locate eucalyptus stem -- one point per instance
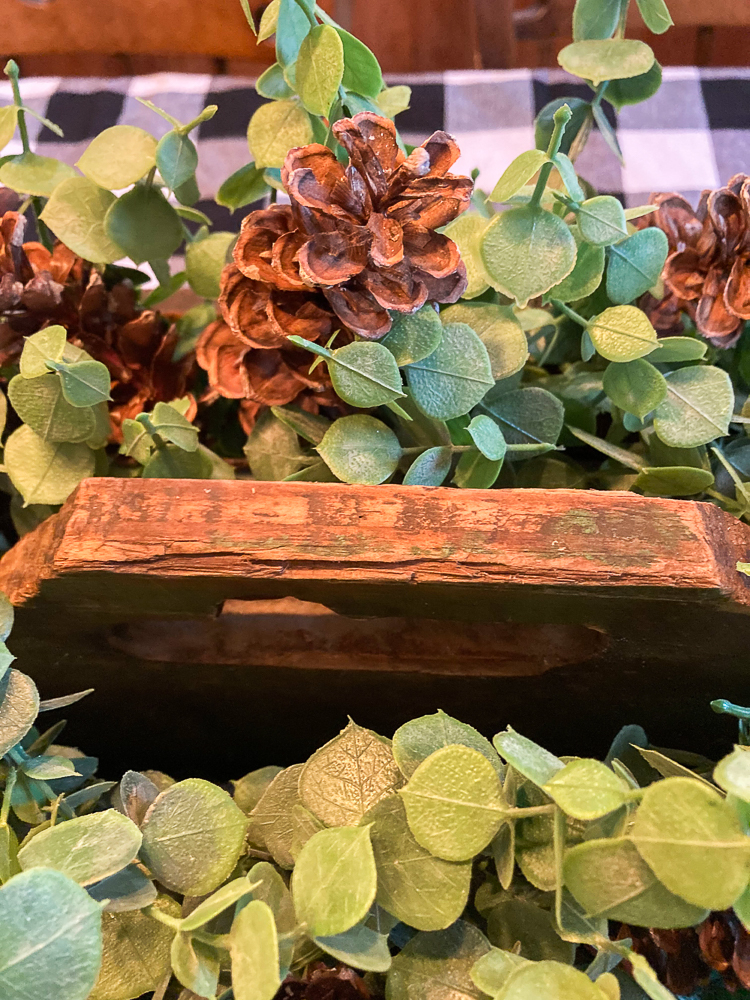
(19, 757)
(622, 23)
(561, 118)
(10, 784)
(523, 812)
(145, 420)
(12, 72)
(309, 14)
(570, 313)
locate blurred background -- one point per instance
(129, 37)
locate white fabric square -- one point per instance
(491, 151)
(668, 160)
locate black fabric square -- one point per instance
(223, 219)
(727, 103)
(82, 116)
(427, 111)
(236, 108)
(546, 92)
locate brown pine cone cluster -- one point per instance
(322, 982)
(707, 273)
(354, 243)
(683, 959)
(40, 288)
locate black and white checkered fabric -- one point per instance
(693, 134)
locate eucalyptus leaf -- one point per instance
(254, 949)
(8, 122)
(608, 59)
(732, 773)
(45, 919)
(635, 386)
(530, 415)
(86, 849)
(601, 220)
(586, 789)
(365, 374)
(595, 18)
(476, 472)
(520, 172)
(413, 336)
(585, 276)
(526, 251)
(516, 922)
(551, 980)
(291, 25)
(361, 68)
(243, 187)
(45, 472)
(192, 836)
(454, 803)
(361, 946)
(697, 408)
(274, 129)
(335, 880)
(349, 775)
(527, 757)
(655, 15)
(488, 437)
(499, 330)
(635, 89)
(76, 213)
(196, 964)
(451, 380)
(466, 232)
(42, 406)
(431, 468)
(176, 158)
(31, 174)
(84, 383)
(360, 449)
(692, 840)
(320, 69)
(272, 816)
(673, 481)
(273, 451)
(622, 333)
(46, 345)
(674, 349)
(144, 224)
(437, 965)
(205, 260)
(310, 426)
(118, 157)
(635, 264)
(170, 424)
(19, 704)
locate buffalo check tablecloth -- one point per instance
(693, 134)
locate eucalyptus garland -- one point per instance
(437, 864)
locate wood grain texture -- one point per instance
(180, 602)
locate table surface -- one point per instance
(693, 134)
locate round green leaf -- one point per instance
(75, 213)
(698, 407)
(42, 472)
(84, 383)
(520, 172)
(176, 158)
(607, 59)
(430, 468)
(732, 773)
(320, 69)
(421, 890)
(243, 187)
(118, 156)
(39, 348)
(527, 757)
(204, 262)
(28, 173)
(609, 878)
(334, 880)
(272, 817)
(254, 949)
(635, 89)
(498, 329)
(437, 966)
(635, 264)
(361, 68)
(19, 705)
(595, 18)
(135, 953)
(144, 224)
(361, 947)
(86, 849)
(41, 404)
(192, 837)
(529, 415)
(526, 251)
(475, 472)
(692, 840)
(655, 15)
(339, 794)
(579, 124)
(586, 789)
(671, 349)
(585, 276)
(360, 449)
(276, 128)
(635, 386)
(50, 938)
(466, 232)
(272, 449)
(416, 740)
(673, 481)
(551, 980)
(365, 374)
(488, 437)
(173, 462)
(413, 336)
(454, 803)
(8, 121)
(622, 333)
(518, 920)
(601, 220)
(454, 377)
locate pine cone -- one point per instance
(707, 273)
(321, 982)
(354, 243)
(40, 288)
